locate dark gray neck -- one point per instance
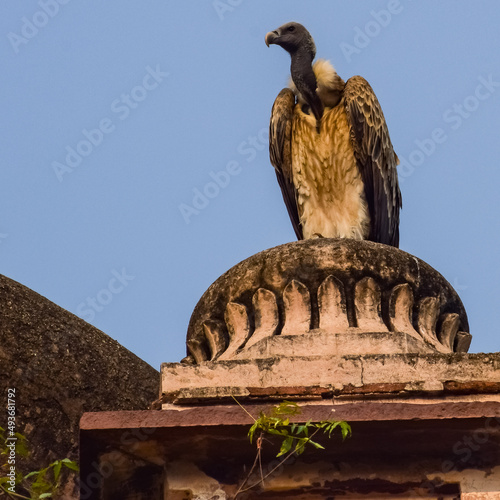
(305, 80)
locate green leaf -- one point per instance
(285, 446)
(278, 432)
(70, 464)
(57, 469)
(300, 446)
(41, 484)
(301, 429)
(304, 429)
(22, 448)
(276, 422)
(316, 445)
(346, 429)
(286, 408)
(45, 495)
(252, 430)
(34, 473)
(330, 426)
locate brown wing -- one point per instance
(376, 160)
(280, 153)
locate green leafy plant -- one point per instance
(295, 436)
(36, 485)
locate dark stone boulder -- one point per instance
(60, 367)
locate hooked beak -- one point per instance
(271, 37)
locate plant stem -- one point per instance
(257, 457)
(241, 490)
(243, 408)
(13, 494)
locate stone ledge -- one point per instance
(316, 377)
(231, 415)
(318, 342)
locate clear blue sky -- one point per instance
(115, 115)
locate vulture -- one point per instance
(330, 147)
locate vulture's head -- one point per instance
(292, 37)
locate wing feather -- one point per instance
(375, 158)
(280, 153)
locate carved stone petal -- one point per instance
(428, 313)
(401, 310)
(462, 341)
(238, 328)
(367, 301)
(266, 315)
(449, 329)
(197, 350)
(297, 309)
(332, 306)
(215, 336)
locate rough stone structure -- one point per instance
(361, 296)
(322, 314)
(424, 447)
(60, 367)
(351, 330)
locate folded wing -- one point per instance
(280, 152)
(375, 158)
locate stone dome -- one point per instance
(327, 297)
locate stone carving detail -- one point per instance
(332, 305)
(333, 318)
(266, 316)
(368, 305)
(412, 304)
(297, 309)
(401, 309)
(238, 328)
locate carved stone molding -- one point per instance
(327, 296)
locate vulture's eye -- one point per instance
(291, 28)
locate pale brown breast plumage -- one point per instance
(330, 191)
